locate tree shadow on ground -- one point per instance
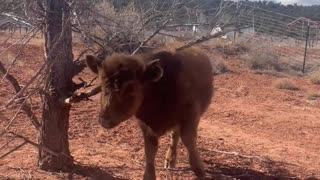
(90, 172)
(226, 173)
(274, 172)
(227, 166)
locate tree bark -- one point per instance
(55, 115)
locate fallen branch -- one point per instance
(233, 153)
(240, 155)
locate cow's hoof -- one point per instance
(206, 177)
(169, 164)
(200, 173)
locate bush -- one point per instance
(232, 49)
(263, 59)
(315, 77)
(313, 96)
(218, 66)
(285, 84)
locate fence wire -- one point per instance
(294, 38)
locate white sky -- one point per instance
(299, 2)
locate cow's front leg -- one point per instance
(171, 155)
(150, 147)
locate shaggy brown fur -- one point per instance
(166, 90)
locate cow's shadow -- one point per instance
(223, 172)
(214, 171)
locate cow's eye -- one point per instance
(116, 85)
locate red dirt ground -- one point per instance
(251, 131)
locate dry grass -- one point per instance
(232, 49)
(262, 59)
(313, 96)
(219, 67)
(315, 77)
(285, 84)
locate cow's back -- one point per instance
(196, 78)
(187, 81)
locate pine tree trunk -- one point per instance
(55, 116)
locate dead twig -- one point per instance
(87, 84)
(233, 153)
(150, 37)
(26, 85)
(20, 51)
(6, 143)
(10, 78)
(27, 140)
(240, 155)
(14, 149)
(202, 39)
(170, 35)
(25, 107)
(47, 56)
(83, 96)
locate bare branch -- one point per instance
(150, 37)
(20, 51)
(19, 94)
(10, 78)
(14, 149)
(83, 96)
(203, 39)
(16, 18)
(48, 56)
(25, 107)
(169, 35)
(27, 140)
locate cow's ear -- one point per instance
(93, 63)
(153, 71)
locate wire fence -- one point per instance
(292, 38)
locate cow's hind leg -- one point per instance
(151, 147)
(171, 155)
(189, 138)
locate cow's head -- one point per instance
(122, 78)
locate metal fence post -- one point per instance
(306, 48)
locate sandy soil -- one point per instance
(251, 131)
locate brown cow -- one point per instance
(165, 90)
